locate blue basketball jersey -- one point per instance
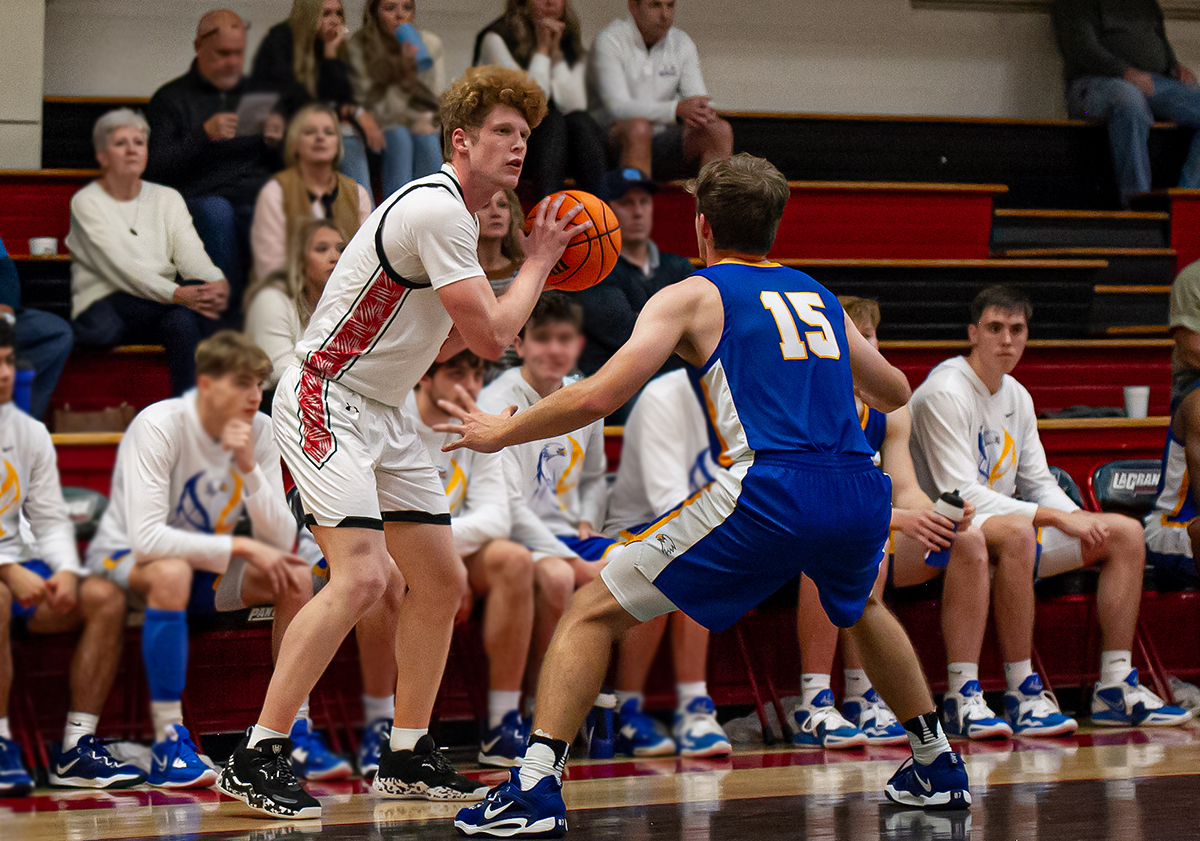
(874, 426)
(779, 380)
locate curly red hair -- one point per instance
(469, 100)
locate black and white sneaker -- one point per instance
(422, 774)
(262, 778)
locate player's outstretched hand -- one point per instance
(478, 430)
(548, 238)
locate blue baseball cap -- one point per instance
(620, 181)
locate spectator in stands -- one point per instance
(650, 97)
(310, 188)
(43, 585)
(1185, 330)
(559, 494)
(201, 150)
(1173, 527)
(304, 59)
(139, 271)
(611, 308)
(501, 240)
(1119, 67)
(401, 99)
(43, 339)
(974, 429)
(666, 458)
(917, 530)
(188, 470)
(542, 37)
(278, 307)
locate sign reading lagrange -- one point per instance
(1138, 481)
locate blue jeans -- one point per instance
(1129, 114)
(409, 156)
(354, 161)
(225, 231)
(44, 340)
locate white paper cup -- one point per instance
(43, 246)
(1137, 401)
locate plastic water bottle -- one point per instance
(23, 387)
(949, 505)
(406, 33)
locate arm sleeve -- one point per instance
(593, 488)
(435, 77)
(1077, 23)
(691, 81)
(47, 512)
(333, 82)
(364, 205)
(942, 428)
(569, 86)
(613, 87)
(187, 249)
(177, 146)
(268, 324)
(663, 450)
(487, 516)
(149, 455)
(527, 528)
(446, 241)
(95, 241)
(1035, 482)
(270, 516)
(268, 231)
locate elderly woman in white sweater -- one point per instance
(139, 272)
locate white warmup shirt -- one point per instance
(476, 492)
(666, 456)
(563, 84)
(561, 480)
(630, 81)
(372, 334)
(30, 492)
(177, 494)
(982, 444)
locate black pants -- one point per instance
(566, 145)
(122, 318)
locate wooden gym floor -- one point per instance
(1123, 785)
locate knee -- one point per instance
(168, 584)
(213, 210)
(1013, 540)
(969, 552)
(637, 130)
(1127, 540)
(6, 599)
(369, 583)
(510, 566)
(101, 600)
(555, 582)
(721, 133)
(1129, 105)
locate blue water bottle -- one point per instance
(23, 387)
(406, 33)
(949, 505)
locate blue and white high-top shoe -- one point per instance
(312, 759)
(1129, 704)
(14, 779)
(1032, 711)
(697, 732)
(820, 725)
(175, 762)
(508, 812)
(871, 715)
(503, 745)
(90, 765)
(639, 735)
(942, 784)
(965, 713)
(374, 736)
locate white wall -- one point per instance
(847, 56)
(21, 28)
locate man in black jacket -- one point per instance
(197, 148)
(1119, 67)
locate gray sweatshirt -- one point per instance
(1106, 37)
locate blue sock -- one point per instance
(165, 651)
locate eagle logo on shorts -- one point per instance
(666, 545)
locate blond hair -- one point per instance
(861, 310)
(469, 100)
(742, 198)
(229, 352)
(305, 23)
(291, 151)
(293, 279)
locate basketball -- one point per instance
(591, 254)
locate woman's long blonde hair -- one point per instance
(513, 244)
(386, 65)
(305, 21)
(293, 279)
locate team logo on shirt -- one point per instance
(454, 480)
(10, 491)
(558, 469)
(211, 503)
(997, 455)
(666, 545)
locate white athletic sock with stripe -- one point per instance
(1015, 673)
(375, 708)
(1115, 666)
(5, 733)
(959, 674)
(811, 685)
(500, 704)
(857, 683)
(688, 692)
(78, 725)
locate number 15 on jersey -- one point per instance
(822, 342)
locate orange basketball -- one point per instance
(591, 254)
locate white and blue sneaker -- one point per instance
(175, 762)
(90, 765)
(14, 779)
(509, 812)
(965, 713)
(942, 784)
(1129, 704)
(640, 735)
(871, 715)
(820, 725)
(1032, 711)
(697, 732)
(504, 745)
(374, 736)
(312, 759)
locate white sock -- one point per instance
(1115, 666)
(530, 706)
(1015, 673)
(960, 673)
(5, 733)
(688, 692)
(406, 739)
(302, 713)
(622, 697)
(376, 708)
(259, 733)
(165, 713)
(857, 683)
(500, 704)
(926, 738)
(78, 726)
(542, 760)
(810, 685)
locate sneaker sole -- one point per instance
(397, 790)
(723, 749)
(1065, 729)
(87, 782)
(17, 790)
(206, 780)
(985, 734)
(252, 802)
(222, 786)
(340, 773)
(839, 744)
(545, 828)
(943, 800)
(496, 761)
(882, 741)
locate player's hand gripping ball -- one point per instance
(591, 254)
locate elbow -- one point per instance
(596, 405)
(490, 348)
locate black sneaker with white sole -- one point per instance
(262, 778)
(422, 773)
